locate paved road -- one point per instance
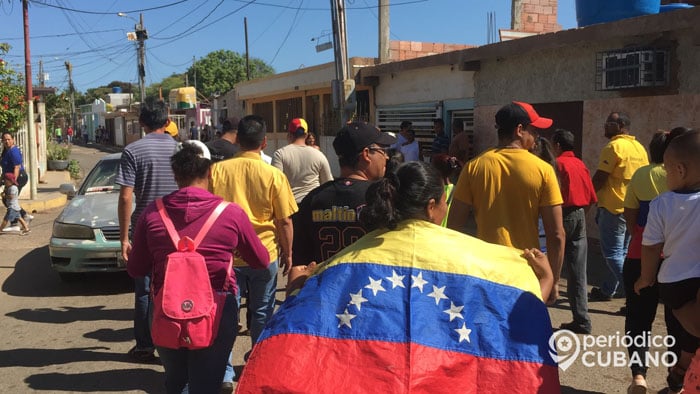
(73, 337)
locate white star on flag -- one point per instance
(375, 285)
(438, 294)
(396, 280)
(464, 333)
(357, 299)
(418, 281)
(345, 319)
(454, 311)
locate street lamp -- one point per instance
(141, 35)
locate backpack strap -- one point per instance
(174, 236)
(210, 221)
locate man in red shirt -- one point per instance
(578, 195)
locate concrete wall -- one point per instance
(423, 85)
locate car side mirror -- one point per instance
(68, 189)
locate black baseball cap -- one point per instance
(356, 136)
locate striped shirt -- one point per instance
(145, 166)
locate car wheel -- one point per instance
(69, 276)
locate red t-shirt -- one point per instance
(576, 185)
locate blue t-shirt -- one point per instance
(145, 166)
(11, 158)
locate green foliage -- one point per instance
(56, 151)
(166, 85)
(74, 169)
(13, 105)
(220, 70)
(101, 92)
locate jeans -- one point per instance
(142, 305)
(259, 287)
(576, 261)
(614, 240)
(201, 370)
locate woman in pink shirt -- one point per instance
(188, 208)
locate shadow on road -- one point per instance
(145, 380)
(111, 335)
(33, 277)
(571, 390)
(68, 314)
(35, 358)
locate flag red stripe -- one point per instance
(282, 364)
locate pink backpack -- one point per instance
(186, 311)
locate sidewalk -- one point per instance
(48, 197)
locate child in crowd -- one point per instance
(673, 227)
(11, 199)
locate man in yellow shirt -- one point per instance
(619, 159)
(265, 195)
(508, 188)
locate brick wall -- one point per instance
(402, 50)
(534, 16)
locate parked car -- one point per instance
(85, 235)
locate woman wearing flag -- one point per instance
(412, 307)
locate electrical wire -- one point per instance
(60, 35)
(291, 27)
(271, 24)
(328, 9)
(184, 15)
(371, 10)
(193, 26)
(41, 3)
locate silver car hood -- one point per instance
(95, 210)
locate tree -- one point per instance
(166, 85)
(101, 92)
(13, 105)
(220, 70)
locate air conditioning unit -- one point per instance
(633, 69)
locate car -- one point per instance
(85, 236)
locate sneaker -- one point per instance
(28, 218)
(11, 229)
(25, 232)
(597, 295)
(226, 387)
(575, 328)
(142, 355)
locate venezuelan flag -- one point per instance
(417, 309)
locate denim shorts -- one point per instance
(12, 215)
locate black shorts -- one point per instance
(676, 294)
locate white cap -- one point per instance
(205, 151)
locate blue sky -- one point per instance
(280, 32)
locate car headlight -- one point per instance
(72, 231)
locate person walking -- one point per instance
(144, 174)
(189, 208)
(305, 167)
(579, 195)
(226, 146)
(509, 188)
(263, 192)
(619, 159)
(11, 162)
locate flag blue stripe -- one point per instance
(359, 301)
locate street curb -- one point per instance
(42, 205)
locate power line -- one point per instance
(104, 13)
(60, 35)
(271, 24)
(328, 9)
(291, 27)
(174, 23)
(193, 26)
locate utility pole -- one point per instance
(71, 89)
(383, 31)
(247, 55)
(141, 36)
(195, 76)
(343, 88)
(31, 163)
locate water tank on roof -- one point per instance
(117, 89)
(183, 98)
(589, 12)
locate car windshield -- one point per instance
(101, 178)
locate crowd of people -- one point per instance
(391, 215)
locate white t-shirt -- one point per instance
(306, 168)
(400, 140)
(11, 198)
(411, 151)
(674, 220)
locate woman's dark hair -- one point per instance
(401, 195)
(564, 138)
(153, 114)
(188, 164)
(395, 159)
(543, 149)
(660, 140)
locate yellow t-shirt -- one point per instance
(620, 158)
(506, 188)
(260, 189)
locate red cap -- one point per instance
(296, 124)
(535, 119)
(9, 176)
